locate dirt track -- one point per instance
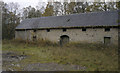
(11, 63)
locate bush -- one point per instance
(31, 43)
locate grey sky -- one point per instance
(25, 3)
(34, 3)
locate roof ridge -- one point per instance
(102, 18)
(75, 14)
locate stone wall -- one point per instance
(91, 35)
(24, 35)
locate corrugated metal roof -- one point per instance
(105, 18)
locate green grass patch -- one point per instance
(93, 56)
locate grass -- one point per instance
(93, 56)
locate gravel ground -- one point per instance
(9, 58)
(52, 67)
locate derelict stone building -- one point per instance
(94, 27)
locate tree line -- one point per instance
(12, 15)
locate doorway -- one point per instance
(64, 39)
(107, 40)
(34, 38)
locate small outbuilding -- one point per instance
(94, 27)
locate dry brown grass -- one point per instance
(91, 55)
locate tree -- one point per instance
(58, 8)
(41, 7)
(118, 5)
(65, 5)
(10, 19)
(71, 7)
(31, 12)
(49, 10)
(81, 7)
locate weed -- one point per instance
(91, 55)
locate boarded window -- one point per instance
(64, 30)
(107, 29)
(83, 29)
(48, 30)
(107, 40)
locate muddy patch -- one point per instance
(11, 62)
(53, 67)
(10, 58)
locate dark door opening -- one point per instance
(34, 38)
(107, 40)
(64, 40)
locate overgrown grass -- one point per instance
(92, 56)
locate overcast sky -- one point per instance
(34, 3)
(25, 3)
